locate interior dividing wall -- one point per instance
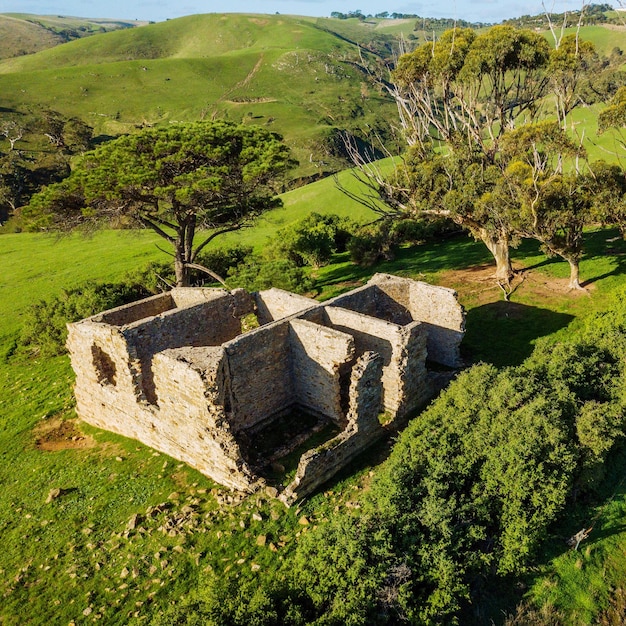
(317, 355)
(260, 375)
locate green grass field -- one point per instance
(279, 71)
(72, 558)
(301, 77)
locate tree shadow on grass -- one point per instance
(607, 252)
(459, 252)
(503, 333)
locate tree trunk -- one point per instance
(574, 277)
(183, 250)
(499, 248)
(180, 267)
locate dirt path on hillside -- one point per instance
(245, 82)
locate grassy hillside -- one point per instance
(23, 33)
(302, 77)
(283, 72)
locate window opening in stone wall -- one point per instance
(104, 366)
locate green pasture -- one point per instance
(293, 75)
(281, 72)
(72, 557)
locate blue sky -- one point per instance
(159, 10)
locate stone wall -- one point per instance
(437, 307)
(275, 304)
(375, 302)
(363, 428)
(399, 348)
(259, 368)
(127, 314)
(439, 310)
(317, 356)
(175, 372)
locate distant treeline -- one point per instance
(423, 22)
(592, 14)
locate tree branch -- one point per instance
(159, 231)
(212, 236)
(195, 266)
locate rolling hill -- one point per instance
(23, 33)
(287, 73)
(310, 79)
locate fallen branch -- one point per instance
(206, 270)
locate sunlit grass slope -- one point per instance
(279, 71)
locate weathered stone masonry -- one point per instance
(176, 372)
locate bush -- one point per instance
(379, 241)
(371, 244)
(471, 487)
(159, 276)
(221, 261)
(257, 274)
(313, 240)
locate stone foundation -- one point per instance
(176, 372)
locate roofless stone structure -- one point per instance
(177, 372)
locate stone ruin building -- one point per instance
(309, 388)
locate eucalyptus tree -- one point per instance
(458, 97)
(609, 200)
(186, 182)
(543, 199)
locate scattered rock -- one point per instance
(133, 521)
(124, 573)
(261, 540)
(272, 492)
(257, 517)
(53, 494)
(255, 567)
(303, 521)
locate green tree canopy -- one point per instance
(459, 97)
(177, 180)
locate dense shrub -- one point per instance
(371, 244)
(314, 239)
(379, 241)
(470, 488)
(222, 260)
(230, 600)
(159, 276)
(258, 273)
